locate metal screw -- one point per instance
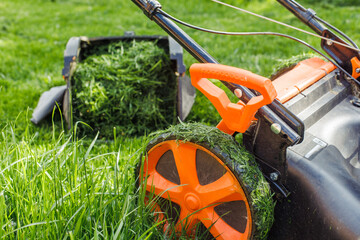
(357, 70)
(329, 42)
(276, 128)
(238, 93)
(274, 176)
(355, 102)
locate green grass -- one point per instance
(70, 189)
(56, 186)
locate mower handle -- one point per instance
(292, 128)
(236, 117)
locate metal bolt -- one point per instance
(276, 128)
(238, 93)
(329, 42)
(355, 102)
(357, 70)
(274, 176)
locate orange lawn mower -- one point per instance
(300, 145)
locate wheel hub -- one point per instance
(192, 202)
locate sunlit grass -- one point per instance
(69, 188)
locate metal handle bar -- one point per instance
(340, 54)
(292, 128)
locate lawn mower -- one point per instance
(302, 127)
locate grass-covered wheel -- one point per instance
(203, 177)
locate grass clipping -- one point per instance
(129, 86)
(285, 65)
(238, 159)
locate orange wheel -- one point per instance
(199, 185)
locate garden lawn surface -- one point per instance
(54, 185)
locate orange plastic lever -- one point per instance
(236, 117)
(355, 62)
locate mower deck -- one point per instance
(324, 170)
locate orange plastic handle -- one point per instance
(236, 117)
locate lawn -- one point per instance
(55, 185)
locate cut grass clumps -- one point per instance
(285, 65)
(129, 86)
(238, 159)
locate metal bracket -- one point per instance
(310, 14)
(151, 7)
